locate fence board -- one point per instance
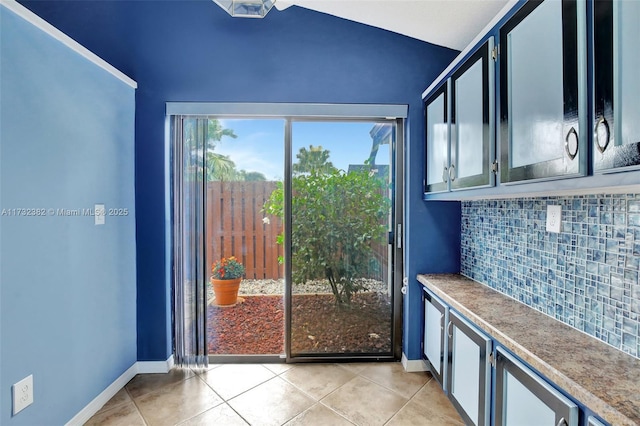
(258, 231)
(234, 227)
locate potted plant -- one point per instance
(226, 275)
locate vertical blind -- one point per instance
(189, 286)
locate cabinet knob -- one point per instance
(571, 143)
(602, 142)
(452, 172)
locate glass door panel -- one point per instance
(341, 197)
(627, 14)
(536, 90)
(542, 90)
(244, 161)
(469, 121)
(437, 132)
(616, 86)
(522, 397)
(472, 147)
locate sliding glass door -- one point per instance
(341, 216)
(304, 213)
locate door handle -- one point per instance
(602, 122)
(571, 143)
(452, 172)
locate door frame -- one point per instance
(396, 263)
(308, 112)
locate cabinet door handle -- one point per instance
(602, 122)
(562, 422)
(445, 174)
(449, 329)
(441, 322)
(452, 172)
(571, 143)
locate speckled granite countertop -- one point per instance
(599, 376)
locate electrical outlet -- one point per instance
(22, 394)
(554, 218)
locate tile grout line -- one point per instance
(408, 401)
(224, 400)
(319, 401)
(134, 403)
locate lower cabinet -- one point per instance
(469, 370)
(436, 315)
(523, 398)
(462, 357)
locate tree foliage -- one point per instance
(336, 216)
(314, 159)
(202, 136)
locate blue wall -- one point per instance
(68, 294)
(194, 51)
(433, 246)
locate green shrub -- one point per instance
(337, 216)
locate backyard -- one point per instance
(339, 254)
(255, 325)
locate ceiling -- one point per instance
(449, 23)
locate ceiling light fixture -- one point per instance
(246, 8)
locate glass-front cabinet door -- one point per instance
(616, 85)
(434, 343)
(469, 370)
(523, 398)
(437, 137)
(542, 91)
(472, 147)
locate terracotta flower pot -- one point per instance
(226, 291)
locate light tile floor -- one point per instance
(281, 394)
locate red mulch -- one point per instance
(256, 326)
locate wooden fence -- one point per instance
(235, 227)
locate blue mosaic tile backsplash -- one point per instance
(586, 276)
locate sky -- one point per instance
(259, 146)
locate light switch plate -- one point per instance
(22, 394)
(99, 214)
(554, 218)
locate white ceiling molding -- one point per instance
(449, 23)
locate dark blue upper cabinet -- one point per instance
(543, 92)
(616, 118)
(472, 123)
(460, 130)
(437, 140)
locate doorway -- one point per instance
(309, 206)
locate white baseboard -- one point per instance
(150, 367)
(98, 402)
(140, 367)
(413, 365)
